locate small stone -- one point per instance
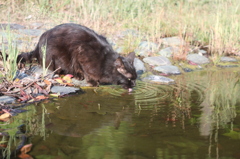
(187, 69)
(202, 52)
(64, 90)
(7, 99)
(228, 59)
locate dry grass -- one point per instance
(214, 23)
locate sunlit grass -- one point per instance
(205, 23)
(9, 56)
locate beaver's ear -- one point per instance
(130, 57)
(119, 64)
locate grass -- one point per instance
(212, 23)
(45, 69)
(9, 56)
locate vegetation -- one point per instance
(9, 57)
(215, 23)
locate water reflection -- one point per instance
(194, 118)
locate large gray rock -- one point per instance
(5, 35)
(158, 79)
(168, 69)
(173, 41)
(7, 99)
(31, 32)
(168, 52)
(129, 32)
(197, 59)
(139, 65)
(11, 26)
(145, 48)
(157, 61)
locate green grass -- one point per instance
(207, 22)
(9, 56)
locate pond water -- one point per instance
(196, 118)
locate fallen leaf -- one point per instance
(59, 80)
(69, 84)
(25, 156)
(17, 80)
(26, 148)
(67, 78)
(41, 97)
(3, 145)
(47, 82)
(4, 116)
(55, 94)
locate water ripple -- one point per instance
(147, 94)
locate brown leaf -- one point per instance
(25, 156)
(41, 97)
(4, 116)
(47, 82)
(69, 84)
(26, 148)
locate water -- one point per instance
(196, 118)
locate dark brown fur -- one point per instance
(80, 51)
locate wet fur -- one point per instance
(79, 51)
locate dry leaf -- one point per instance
(25, 156)
(59, 80)
(41, 97)
(55, 94)
(26, 148)
(67, 78)
(47, 82)
(4, 116)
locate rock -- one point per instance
(173, 41)
(12, 26)
(7, 99)
(129, 32)
(226, 66)
(168, 69)
(202, 52)
(187, 69)
(157, 61)
(145, 48)
(5, 35)
(31, 32)
(167, 52)
(197, 59)
(20, 75)
(158, 79)
(82, 83)
(64, 90)
(228, 59)
(36, 71)
(139, 65)
(36, 25)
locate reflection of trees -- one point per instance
(220, 101)
(219, 105)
